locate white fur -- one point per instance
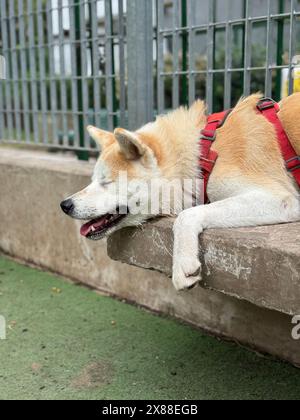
(252, 208)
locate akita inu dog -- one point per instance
(249, 186)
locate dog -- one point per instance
(249, 185)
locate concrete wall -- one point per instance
(33, 228)
(258, 264)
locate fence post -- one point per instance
(140, 62)
(81, 154)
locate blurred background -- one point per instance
(71, 63)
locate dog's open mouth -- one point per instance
(97, 228)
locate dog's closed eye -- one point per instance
(105, 183)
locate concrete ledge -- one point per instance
(260, 265)
(32, 228)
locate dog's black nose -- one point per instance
(67, 206)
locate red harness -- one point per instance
(269, 109)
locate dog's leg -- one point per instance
(251, 209)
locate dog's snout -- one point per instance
(67, 206)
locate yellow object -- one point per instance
(285, 82)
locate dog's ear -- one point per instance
(101, 137)
(130, 144)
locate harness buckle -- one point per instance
(210, 135)
(266, 103)
(293, 167)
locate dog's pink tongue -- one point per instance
(93, 225)
(85, 229)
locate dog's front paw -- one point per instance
(186, 273)
(186, 263)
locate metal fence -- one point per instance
(61, 70)
(71, 63)
(220, 50)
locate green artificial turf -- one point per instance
(67, 342)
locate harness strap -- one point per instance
(208, 156)
(270, 109)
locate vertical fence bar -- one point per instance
(42, 67)
(7, 83)
(95, 63)
(270, 53)
(23, 56)
(160, 57)
(84, 102)
(121, 37)
(52, 75)
(292, 46)
(210, 56)
(2, 121)
(84, 70)
(184, 82)
(74, 48)
(62, 69)
(80, 35)
(140, 61)
(192, 48)
(15, 68)
(176, 49)
(33, 72)
(109, 67)
(2, 111)
(279, 52)
(247, 50)
(228, 63)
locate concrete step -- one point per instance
(260, 265)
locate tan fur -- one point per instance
(289, 115)
(177, 135)
(117, 162)
(103, 138)
(247, 145)
(172, 139)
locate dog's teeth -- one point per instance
(93, 229)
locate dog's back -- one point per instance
(248, 147)
(290, 118)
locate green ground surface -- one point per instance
(67, 342)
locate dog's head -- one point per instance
(127, 163)
(140, 174)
